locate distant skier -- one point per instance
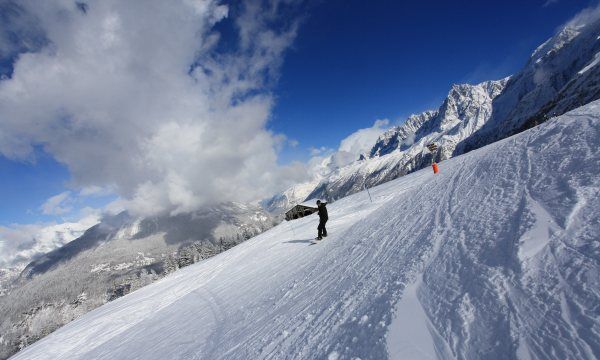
(323, 217)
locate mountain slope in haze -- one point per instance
(113, 258)
(43, 240)
(498, 256)
(290, 197)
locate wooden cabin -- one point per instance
(299, 211)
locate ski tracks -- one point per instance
(457, 234)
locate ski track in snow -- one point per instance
(414, 342)
(497, 257)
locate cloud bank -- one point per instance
(147, 98)
(20, 244)
(360, 142)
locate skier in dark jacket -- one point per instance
(323, 217)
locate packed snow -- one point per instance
(414, 341)
(495, 257)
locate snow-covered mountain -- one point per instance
(122, 254)
(41, 240)
(495, 257)
(562, 74)
(401, 137)
(118, 255)
(403, 149)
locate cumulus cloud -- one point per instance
(360, 142)
(19, 33)
(144, 98)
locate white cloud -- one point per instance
(94, 191)
(319, 151)
(584, 17)
(325, 160)
(20, 244)
(410, 139)
(362, 140)
(19, 32)
(60, 204)
(135, 96)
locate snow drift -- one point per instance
(496, 257)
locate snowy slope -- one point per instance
(496, 257)
(113, 258)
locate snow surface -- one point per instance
(414, 341)
(495, 257)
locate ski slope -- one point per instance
(495, 257)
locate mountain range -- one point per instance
(121, 254)
(496, 257)
(561, 74)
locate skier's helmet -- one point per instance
(318, 202)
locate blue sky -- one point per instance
(351, 63)
(25, 187)
(357, 61)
